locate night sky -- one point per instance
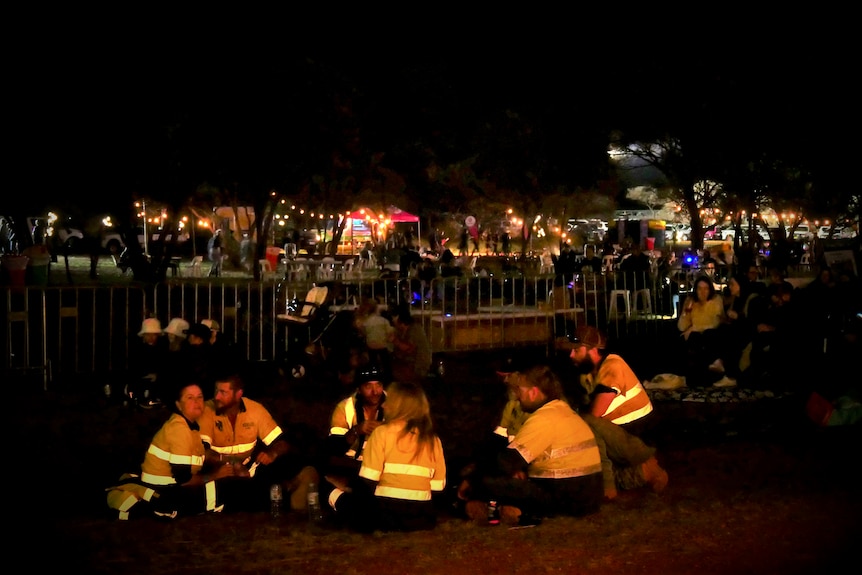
(87, 111)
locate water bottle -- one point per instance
(275, 497)
(313, 499)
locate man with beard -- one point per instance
(552, 465)
(613, 391)
(353, 420)
(241, 432)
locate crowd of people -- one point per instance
(753, 331)
(559, 449)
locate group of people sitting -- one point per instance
(384, 464)
(755, 330)
(180, 351)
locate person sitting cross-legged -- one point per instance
(552, 466)
(241, 433)
(353, 420)
(402, 467)
(173, 481)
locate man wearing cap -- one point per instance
(241, 432)
(627, 462)
(613, 390)
(552, 465)
(354, 418)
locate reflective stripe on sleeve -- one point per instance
(369, 473)
(157, 479)
(272, 435)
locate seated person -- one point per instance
(402, 466)
(551, 467)
(701, 316)
(172, 482)
(627, 462)
(147, 358)
(353, 420)
(612, 389)
(411, 356)
(242, 433)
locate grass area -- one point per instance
(754, 488)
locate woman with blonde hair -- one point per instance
(403, 464)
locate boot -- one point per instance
(654, 475)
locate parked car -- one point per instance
(728, 232)
(713, 232)
(837, 233)
(802, 233)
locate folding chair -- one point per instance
(304, 313)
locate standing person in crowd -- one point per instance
(701, 316)
(377, 332)
(411, 358)
(175, 332)
(552, 466)
(591, 262)
(172, 482)
(353, 420)
(215, 253)
(242, 432)
(147, 358)
(612, 390)
(402, 466)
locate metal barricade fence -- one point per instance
(89, 329)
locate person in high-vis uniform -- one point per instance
(353, 420)
(614, 391)
(171, 482)
(402, 466)
(551, 466)
(241, 433)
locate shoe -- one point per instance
(717, 366)
(725, 382)
(150, 403)
(655, 476)
(477, 511)
(510, 515)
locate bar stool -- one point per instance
(644, 298)
(613, 310)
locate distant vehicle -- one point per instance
(803, 233)
(837, 234)
(728, 232)
(713, 232)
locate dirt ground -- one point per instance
(754, 488)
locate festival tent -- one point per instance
(360, 219)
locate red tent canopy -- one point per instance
(396, 215)
(393, 213)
